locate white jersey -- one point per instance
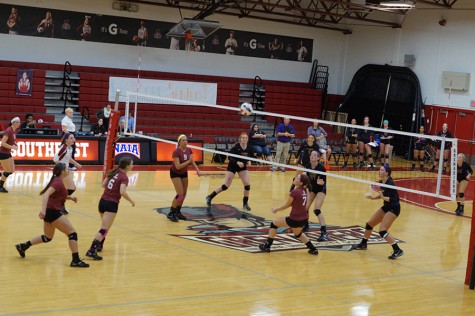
(63, 155)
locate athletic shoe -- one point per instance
(344, 166)
(313, 251)
(413, 168)
(93, 255)
(323, 236)
(72, 169)
(79, 264)
(171, 216)
(208, 200)
(264, 247)
(99, 248)
(3, 190)
(282, 169)
(272, 169)
(20, 250)
(421, 169)
(360, 246)
(179, 215)
(459, 211)
(246, 207)
(396, 254)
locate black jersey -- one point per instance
(463, 171)
(446, 134)
(238, 150)
(420, 142)
(383, 137)
(390, 192)
(351, 134)
(365, 135)
(313, 177)
(303, 154)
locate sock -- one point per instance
(213, 194)
(1, 183)
(458, 204)
(269, 241)
(323, 229)
(245, 200)
(173, 210)
(364, 241)
(94, 245)
(310, 245)
(102, 241)
(413, 165)
(24, 246)
(178, 208)
(395, 246)
(76, 257)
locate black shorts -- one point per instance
(460, 179)
(351, 140)
(108, 206)
(295, 224)
(384, 141)
(419, 146)
(318, 188)
(394, 208)
(52, 215)
(5, 156)
(233, 167)
(174, 174)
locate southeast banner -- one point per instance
(110, 142)
(24, 82)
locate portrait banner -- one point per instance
(24, 82)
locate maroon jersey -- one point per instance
(299, 204)
(11, 140)
(182, 156)
(57, 199)
(112, 190)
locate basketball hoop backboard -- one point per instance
(199, 29)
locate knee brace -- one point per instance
(461, 195)
(103, 232)
(71, 191)
(272, 225)
(247, 187)
(45, 239)
(7, 174)
(317, 212)
(298, 235)
(180, 197)
(224, 187)
(368, 227)
(73, 236)
(383, 233)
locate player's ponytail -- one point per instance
(305, 181)
(57, 170)
(123, 163)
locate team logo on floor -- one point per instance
(225, 226)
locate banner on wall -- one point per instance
(45, 148)
(24, 82)
(80, 26)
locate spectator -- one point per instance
(122, 128)
(99, 129)
(29, 122)
(320, 135)
(105, 114)
(130, 121)
(68, 126)
(258, 142)
(285, 132)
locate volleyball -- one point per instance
(246, 109)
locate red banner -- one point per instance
(45, 148)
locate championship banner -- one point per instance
(24, 82)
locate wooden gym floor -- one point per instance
(212, 269)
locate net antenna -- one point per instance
(434, 184)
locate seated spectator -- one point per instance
(104, 114)
(320, 135)
(130, 122)
(99, 129)
(29, 122)
(258, 142)
(122, 128)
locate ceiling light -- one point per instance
(397, 4)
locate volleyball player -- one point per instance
(386, 215)
(351, 136)
(464, 171)
(6, 159)
(297, 219)
(64, 155)
(182, 157)
(419, 150)
(445, 150)
(385, 143)
(365, 137)
(302, 157)
(54, 195)
(238, 165)
(115, 187)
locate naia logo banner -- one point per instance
(24, 82)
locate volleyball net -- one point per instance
(351, 152)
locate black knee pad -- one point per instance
(347, 155)
(45, 239)
(247, 187)
(386, 156)
(272, 225)
(369, 156)
(73, 236)
(224, 187)
(461, 195)
(317, 212)
(445, 160)
(7, 174)
(361, 154)
(368, 227)
(103, 232)
(71, 191)
(298, 235)
(383, 233)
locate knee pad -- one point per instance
(386, 156)
(298, 235)
(317, 212)
(7, 174)
(368, 227)
(180, 197)
(461, 195)
(224, 187)
(272, 225)
(73, 236)
(71, 191)
(45, 239)
(383, 233)
(247, 187)
(445, 160)
(103, 232)
(361, 154)
(369, 156)
(347, 155)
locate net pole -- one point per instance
(470, 272)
